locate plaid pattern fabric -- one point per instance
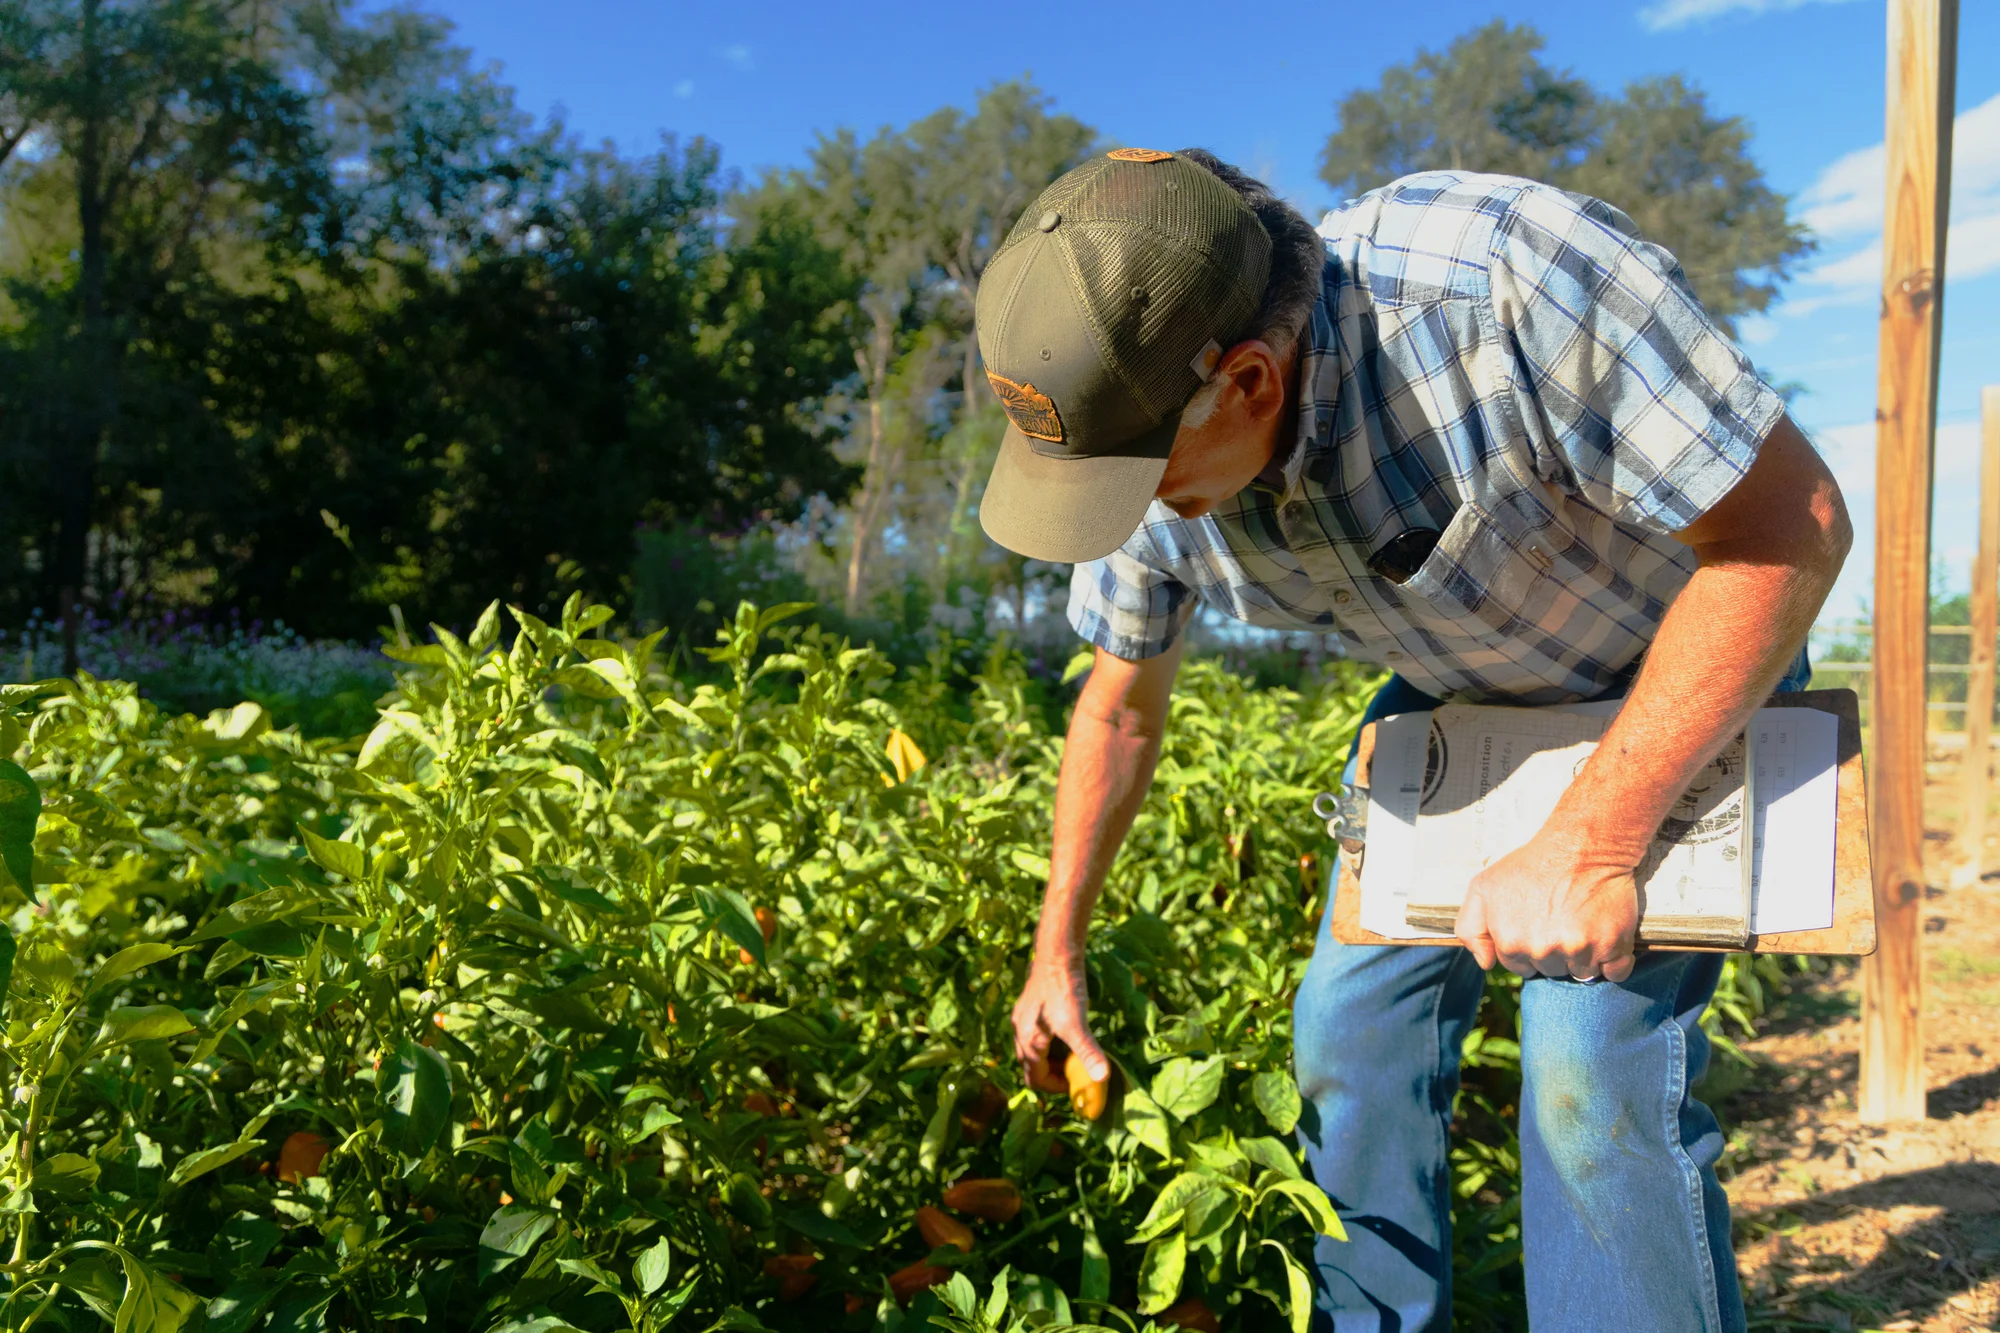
(1511, 367)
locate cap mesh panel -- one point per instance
(1175, 231)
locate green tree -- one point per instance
(362, 333)
(985, 169)
(917, 215)
(549, 397)
(1686, 177)
(863, 199)
(1489, 103)
(169, 135)
(978, 173)
(1485, 103)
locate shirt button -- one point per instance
(1295, 512)
(1343, 596)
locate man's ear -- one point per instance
(1253, 373)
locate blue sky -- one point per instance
(1258, 85)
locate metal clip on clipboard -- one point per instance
(1346, 816)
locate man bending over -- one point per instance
(1484, 434)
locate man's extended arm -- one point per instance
(1108, 759)
(1566, 904)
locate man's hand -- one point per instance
(1054, 1008)
(1548, 909)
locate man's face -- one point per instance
(1207, 467)
(1220, 457)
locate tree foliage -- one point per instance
(916, 214)
(1489, 103)
(346, 329)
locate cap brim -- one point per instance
(1068, 510)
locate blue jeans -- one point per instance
(1623, 1223)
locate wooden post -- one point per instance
(1985, 628)
(1923, 41)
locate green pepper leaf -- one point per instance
(1272, 1155)
(151, 1303)
(1301, 1288)
(66, 1175)
(20, 809)
(1277, 1096)
(940, 1132)
(1312, 1203)
(131, 959)
(1144, 1121)
(1160, 1272)
(1171, 1204)
(510, 1233)
(7, 950)
(336, 858)
(416, 1091)
(735, 918)
(1094, 1281)
(1186, 1087)
(653, 1266)
(208, 1159)
(592, 1274)
(243, 1302)
(142, 1022)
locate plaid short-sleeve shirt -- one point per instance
(1503, 367)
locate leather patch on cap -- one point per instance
(1032, 411)
(1137, 155)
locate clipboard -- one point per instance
(1853, 930)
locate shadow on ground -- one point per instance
(1948, 1252)
(1964, 1095)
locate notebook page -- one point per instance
(1795, 797)
(1395, 788)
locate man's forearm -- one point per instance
(1108, 759)
(1724, 643)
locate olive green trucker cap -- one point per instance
(1104, 311)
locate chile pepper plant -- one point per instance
(575, 995)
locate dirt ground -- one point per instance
(1841, 1225)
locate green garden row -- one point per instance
(574, 995)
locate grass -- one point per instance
(1961, 967)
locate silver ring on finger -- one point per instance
(1586, 981)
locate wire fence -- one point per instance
(1841, 656)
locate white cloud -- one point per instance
(1973, 246)
(1847, 196)
(1680, 13)
(1756, 330)
(738, 56)
(1845, 204)
(685, 88)
(1861, 268)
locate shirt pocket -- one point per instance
(1490, 579)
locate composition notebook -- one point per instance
(1767, 849)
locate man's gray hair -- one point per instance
(1297, 256)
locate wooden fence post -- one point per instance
(1923, 41)
(1985, 628)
